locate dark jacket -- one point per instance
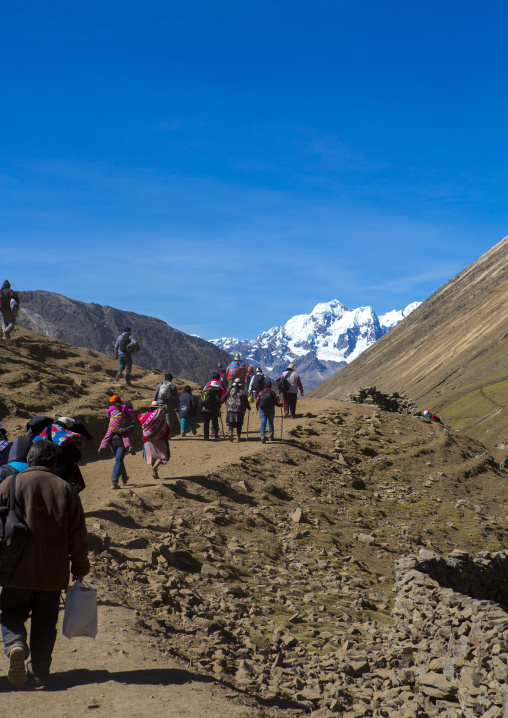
(56, 536)
(6, 294)
(188, 404)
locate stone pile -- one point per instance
(460, 641)
(387, 402)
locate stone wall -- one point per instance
(387, 402)
(452, 609)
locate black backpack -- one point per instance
(266, 400)
(258, 382)
(124, 343)
(13, 532)
(283, 385)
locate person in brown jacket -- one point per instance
(52, 510)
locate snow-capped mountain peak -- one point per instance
(325, 340)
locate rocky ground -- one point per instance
(266, 569)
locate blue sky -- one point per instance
(224, 166)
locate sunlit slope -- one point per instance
(449, 355)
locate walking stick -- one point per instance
(281, 419)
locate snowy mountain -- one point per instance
(318, 343)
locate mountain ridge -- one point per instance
(319, 343)
(97, 327)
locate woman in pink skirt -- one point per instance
(156, 433)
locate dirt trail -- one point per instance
(122, 672)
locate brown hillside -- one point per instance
(449, 355)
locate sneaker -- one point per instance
(114, 487)
(131, 452)
(270, 438)
(124, 480)
(35, 681)
(16, 675)
(263, 439)
(119, 375)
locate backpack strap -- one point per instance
(12, 491)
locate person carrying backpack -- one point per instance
(236, 370)
(212, 396)
(9, 308)
(55, 542)
(266, 401)
(237, 404)
(188, 411)
(257, 384)
(124, 347)
(288, 384)
(166, 395)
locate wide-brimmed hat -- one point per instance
(290, 366)
(154, 403)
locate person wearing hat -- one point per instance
(123, 354)
(237, 404)
(236, 370)
(290, 394)
(257, 384)
(156, 433)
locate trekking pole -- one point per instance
(281, 421)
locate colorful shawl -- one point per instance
(59, 435)
(154, 425)
(117, 419)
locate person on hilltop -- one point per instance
(289, 383)
(236, 370)
(237, 404)
(156, 434)
(56, 537)
(188, 411)
(9, 308)
(166, 395)
(124, 348)
(212, 396)
(257, 384)
(266, 401)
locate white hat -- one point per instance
(66, 421)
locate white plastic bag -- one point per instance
(80, 615)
